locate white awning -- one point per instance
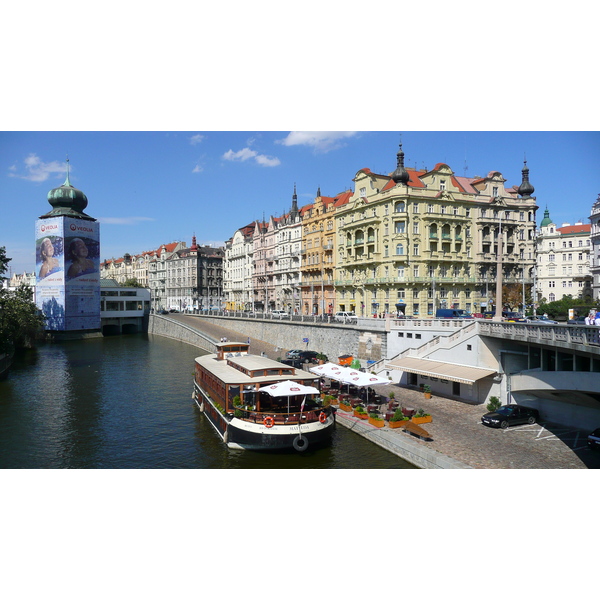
(441, 370)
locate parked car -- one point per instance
(541, 319)
(302, 355)
(577, 321)
(511, 414)
(279, 313)
(346, 316)
(452, 313)
(513, 317)
(594, 439)
(293, 353)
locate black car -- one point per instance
(511, 414)
(307, 356)
(594, 439)
(577, 321)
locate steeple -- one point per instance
(319, 192)
(546, 220)
(525, 189)
(294, 210)
(400, 175)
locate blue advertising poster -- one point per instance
(68, 273)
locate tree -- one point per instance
(20, 320)
(132, 282)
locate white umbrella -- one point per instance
(330, 370)
(360, 379)
(289, 388)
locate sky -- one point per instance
(147, 188)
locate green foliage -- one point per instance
(355, 364)
(4, 260)
(392, 395)
(426, 389)
(21, 323)
(375, 416)
(322, 357)
(398, 415)
(238, 413)
(237, 401)
(559, 310)
(132, 282)
(421, 413)
(360, 409)
(494, 404)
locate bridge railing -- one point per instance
(587, 335)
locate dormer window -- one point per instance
(442, 184)
(495, 191)
(363, 192)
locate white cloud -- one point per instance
(247, 153)
(321, 141)
(198, 169)
(37, 170)
(124, 220)
(196, 139)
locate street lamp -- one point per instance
(498, 314)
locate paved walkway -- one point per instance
(457, 430)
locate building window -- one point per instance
(416, 250)
(399, 249)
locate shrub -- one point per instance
(398, 416)
(494, 404)
(426, 389)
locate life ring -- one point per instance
(269, 422)
(300, 443)
(322, 417)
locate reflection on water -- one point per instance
(125, 402)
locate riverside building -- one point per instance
(429, 239)
(595, 248)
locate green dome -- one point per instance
(546, 220)
(67, 201)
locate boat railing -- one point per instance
(284, 418)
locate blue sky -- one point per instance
(149, 188)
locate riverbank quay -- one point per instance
(456, 429)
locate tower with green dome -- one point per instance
(68, 262)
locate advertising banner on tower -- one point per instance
(50, 271)
(68, 273)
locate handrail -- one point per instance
(285, 418)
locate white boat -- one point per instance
(257, 403)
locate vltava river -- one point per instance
(124, 402)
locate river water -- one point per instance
(124, 402)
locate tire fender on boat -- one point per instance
(300, 443)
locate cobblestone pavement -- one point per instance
(457, 431)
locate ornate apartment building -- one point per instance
(194, 278)
(238, 269)
(563, 261)
(595, 248)
(428, 239)
(318, 253)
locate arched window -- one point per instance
(399, 249)
(400, 207)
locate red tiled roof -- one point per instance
(583, 228)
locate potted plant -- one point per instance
(376, 420)
(397, 419)
(237, 401)
(421, 417)
(494, 404)
(238, 413)
(360, 412)
(322, 358)
(427, 391)
(345, 404)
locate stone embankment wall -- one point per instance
(331, 339)
(180, 331)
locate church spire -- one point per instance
(525, 189)
(294, 210)
(400, 175)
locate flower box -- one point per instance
(346, 407)
(421, 420)
(361, 415)
(376, 422)
(396, 424)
